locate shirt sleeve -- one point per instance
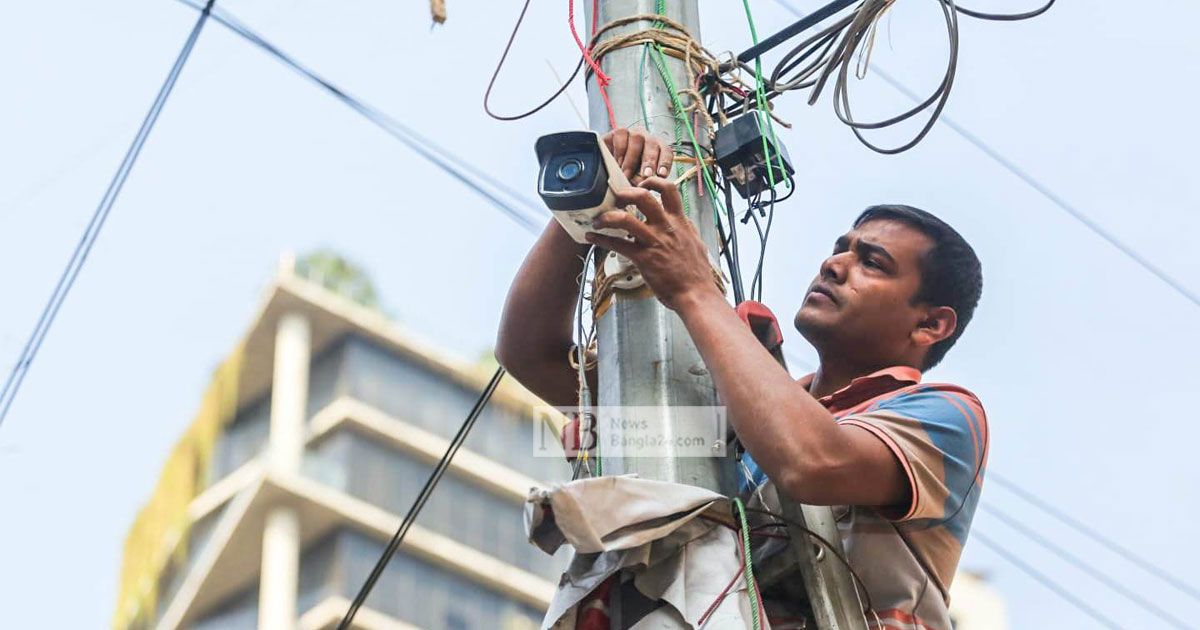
(939, 436)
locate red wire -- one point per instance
(601, 78)
(720, 598)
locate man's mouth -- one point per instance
(822, 290)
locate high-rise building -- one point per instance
(312, 442)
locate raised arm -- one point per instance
(535, 328)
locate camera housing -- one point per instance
(577, 179)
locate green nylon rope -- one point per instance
(751, 590)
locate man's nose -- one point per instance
(834, 268)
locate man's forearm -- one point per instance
(535, 328)
(784, 427)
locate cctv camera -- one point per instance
(577, 179)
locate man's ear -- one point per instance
(939, 323)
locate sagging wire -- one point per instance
(487, 94)
(826, 57)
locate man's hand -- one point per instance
(666, 247)
(640, 154)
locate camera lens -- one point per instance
(570, 169)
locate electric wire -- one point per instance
(66, 280)
(803, 24)
(413, 511)
(584, 414)
(1108, 543)
(833, 550)
(735, 268)
(1035, 183)
(1087, 568)
(1044, 580)
(500, 64)
(531, 218)
(1007, 17)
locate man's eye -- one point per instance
(870, 262)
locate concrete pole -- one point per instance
(647, 357)
(280, 571)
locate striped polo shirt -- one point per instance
(907, 557)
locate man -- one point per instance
(862, 431)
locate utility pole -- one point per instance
(646, 356)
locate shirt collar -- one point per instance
(867, 387)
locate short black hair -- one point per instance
(951, 274)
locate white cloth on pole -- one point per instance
(654, 531)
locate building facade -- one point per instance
(338, 419)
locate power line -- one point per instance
(1045, 580)
(16, 377)
(1096, 536)
(1087, 568)
(458, 169)
(1033, 182)
(422, 497)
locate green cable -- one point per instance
(751, 589)
(681, 118)
(683, 193)
(761, 99)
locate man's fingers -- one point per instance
(645, 202)
(672, 201)
(650, 157)
(619, 245)
(633, 154)
(618, 143)
(621, 220)
(666, 157)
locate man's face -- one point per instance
(859, 306)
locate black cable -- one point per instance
(500, 64)
(735, 267)
(794, 29)
(443, 159)
(1087, 568)
(1045, 580)
(724, 251)
(1096, 536)
(422, 497)
(1007, 17)
(937, 100)
(16, 377)
(764, 235)
(1036, 184)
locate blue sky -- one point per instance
(1083, 360)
